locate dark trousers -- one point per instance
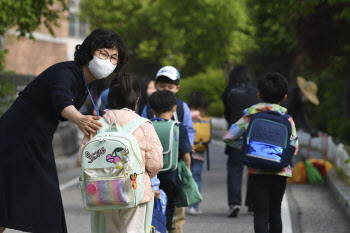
(234, 178)
(170, 190)
(267, 194)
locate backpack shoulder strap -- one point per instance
(175, 116)
(179, 111)
(105, 125)
(132, 125)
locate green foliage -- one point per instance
(190, 35)
(6, 88)
(328, 116)
(211, 83)
(27, 15)
(2, 58)
(202, 38)
(7, 91)
(289, 43)
(274, 35)
(340, 128)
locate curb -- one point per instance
(340, 190)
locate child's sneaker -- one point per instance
(195, 211)
(233, 211)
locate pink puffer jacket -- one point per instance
(150, 146)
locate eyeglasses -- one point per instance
(103, 54)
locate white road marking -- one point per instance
(70, 183)
(286, 219)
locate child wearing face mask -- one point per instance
(122, 98)
(147, 88)
(168, 78)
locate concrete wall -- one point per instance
(336, 153)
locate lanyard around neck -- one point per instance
(96, 108)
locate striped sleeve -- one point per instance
(294, 133)
(233, 136)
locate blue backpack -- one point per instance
(268, 143)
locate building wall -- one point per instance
(62, 30)
(26, 56)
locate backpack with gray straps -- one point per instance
(168, 133)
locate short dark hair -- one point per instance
(162, 101)
(165, 79)
(124, 92)
(197, 101)
(272, 87)
(100, 38)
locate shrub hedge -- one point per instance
(211, 83)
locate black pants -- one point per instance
(267, 193)
(234, 178)
(170, 190)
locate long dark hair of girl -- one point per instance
(124, 92)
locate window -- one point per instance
(77, 28)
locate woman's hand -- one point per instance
(89, 124)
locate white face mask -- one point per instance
(101, 68)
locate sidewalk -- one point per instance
(340, 190)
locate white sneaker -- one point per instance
(195, 211)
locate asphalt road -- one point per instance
(305, 209)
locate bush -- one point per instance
(329, 116)
(7, 91)
(211, 84)
(340, 128)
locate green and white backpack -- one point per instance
(111, 176)
(168, 133)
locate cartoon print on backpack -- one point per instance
(114, 158)
(118, 159)
(133, 180)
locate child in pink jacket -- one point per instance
(121, 102)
